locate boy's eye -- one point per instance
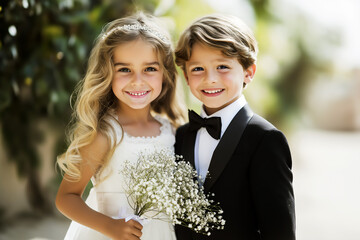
(150, 69)
(124, 70)
(197, 69)
(222, 67)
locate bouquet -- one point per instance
(160, 182)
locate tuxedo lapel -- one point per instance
(189, 146)
(227, 145)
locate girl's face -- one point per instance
(138, 76)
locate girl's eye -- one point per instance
(124, 70)
(222, 67)
(197, 69)
(150, 69)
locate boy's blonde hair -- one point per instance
(226, 33)
(96, 103)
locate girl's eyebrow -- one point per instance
(152, 63)
(121, 64)
(127, 64)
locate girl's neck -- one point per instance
(138, 122)
(129, 115)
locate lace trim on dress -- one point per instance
(164, 128)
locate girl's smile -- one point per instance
(138, 94)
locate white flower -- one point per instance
(160, 184)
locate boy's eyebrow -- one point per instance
(127, 64)
(190, 64)
(224, 59)
(193, 63)
(215, 60)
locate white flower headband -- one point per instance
(135, 27)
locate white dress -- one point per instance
(108, 195)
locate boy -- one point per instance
(247, 159)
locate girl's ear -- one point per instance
(249, 73)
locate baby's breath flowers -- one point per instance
(163, 183)
(196, 210)
(150, 184)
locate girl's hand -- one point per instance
(121, 230)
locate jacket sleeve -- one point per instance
(271, 187)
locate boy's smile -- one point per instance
(212, 92)
(216, 80)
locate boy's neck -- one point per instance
(209, 111)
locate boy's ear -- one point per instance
(249, 74)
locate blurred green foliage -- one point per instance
(44, 46)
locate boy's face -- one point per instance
(216, 80)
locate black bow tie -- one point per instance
(212, 125)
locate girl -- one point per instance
(131, 75)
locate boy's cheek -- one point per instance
(192, 83)
(195, 93)
(192, 87)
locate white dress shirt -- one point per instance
(205, 144)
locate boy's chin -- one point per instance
(212, 108)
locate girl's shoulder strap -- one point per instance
(165, 123)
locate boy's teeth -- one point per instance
(213, 91)
(137, 94)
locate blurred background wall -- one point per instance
(307, 83)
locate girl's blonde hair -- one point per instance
(224, 32)
(96, 104)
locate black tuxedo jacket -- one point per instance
(250, 174)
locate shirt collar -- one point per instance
(227, 113)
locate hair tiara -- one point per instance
(135, 26)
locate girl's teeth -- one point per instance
(137, 94)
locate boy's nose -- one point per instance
(211, 77)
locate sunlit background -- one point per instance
(307, 83)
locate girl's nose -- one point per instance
(137, 79)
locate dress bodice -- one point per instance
(128, 149)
